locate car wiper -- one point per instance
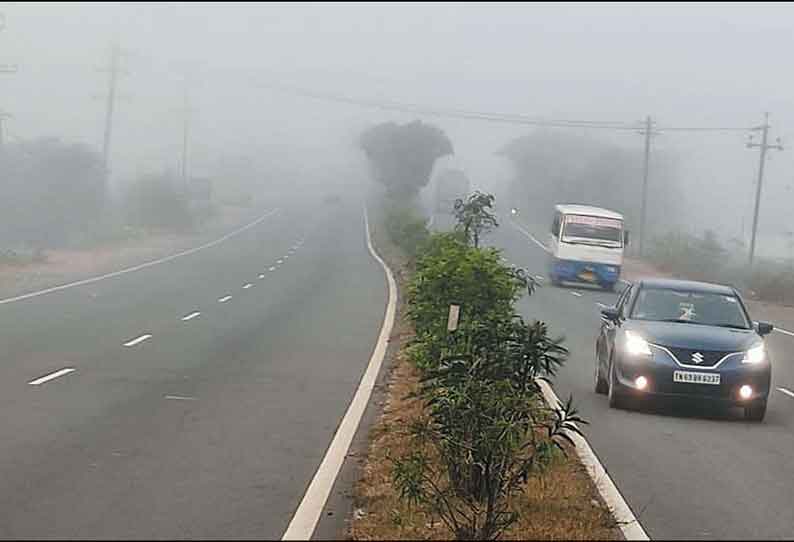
(681, 321)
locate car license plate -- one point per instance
(587, 276)
(691, 377)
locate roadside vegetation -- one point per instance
(705, 258)
(466, 447)
(55, 196)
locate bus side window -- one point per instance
(555, 227)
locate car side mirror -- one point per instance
(626, 238)
(764, 328)
(610, 313)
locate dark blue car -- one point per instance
(675, 338)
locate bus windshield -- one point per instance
(592, 230)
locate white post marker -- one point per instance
(302, 525)
(452, 319)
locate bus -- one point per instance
(587, 245)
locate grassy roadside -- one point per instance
(563, 504)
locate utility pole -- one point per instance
(764, 146)
(5, 69)
(113, 69)
(185, 131)
(648, 131)
(3, 117)
(186, 111)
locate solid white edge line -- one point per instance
(786, 391)
(224, 299)
(138, 267)
(784, 331)
(190, 316)
(138, 340)
(51, 376)
(303, 523)
(532, 237)
(629, 525)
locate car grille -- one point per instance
(710, 358)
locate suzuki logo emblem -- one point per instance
(697, 357)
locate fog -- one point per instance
(693, 65)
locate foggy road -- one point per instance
(685, 476)
(194, 398)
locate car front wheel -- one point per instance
(601, 386)
(615, 400)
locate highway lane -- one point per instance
(686, 475)
(212, 427)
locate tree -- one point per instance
(474, 219)
(154, 201)
(552, 167)
(50, 191)
(402, 156)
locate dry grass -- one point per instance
(562, 505)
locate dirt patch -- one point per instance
(62, 266)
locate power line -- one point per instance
(507, 118)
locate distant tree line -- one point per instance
(557, 167)
(53, 194)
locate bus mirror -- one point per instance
(626, 238)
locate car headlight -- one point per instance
(636, 345)
(755, 355)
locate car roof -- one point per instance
(589, 210)
(686, 285)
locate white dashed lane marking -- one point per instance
(190, 316)
(272, 269)
(138, 340)
(261, 276)
(577, 294)
(247, 286)
(224, 299)
(787, 392)
(51, 376)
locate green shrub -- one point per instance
(406, 229)
(156, 202)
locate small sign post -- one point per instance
(452, 320)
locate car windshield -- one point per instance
(689, 307)
(592, 230)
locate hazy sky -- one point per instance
(685, 64)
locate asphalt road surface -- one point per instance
(194, 398)
(686, 472)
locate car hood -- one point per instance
(694, 336)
